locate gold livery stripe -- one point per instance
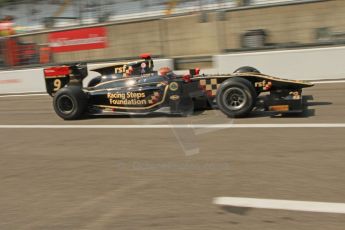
(263, 76)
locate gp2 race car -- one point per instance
(135, 88)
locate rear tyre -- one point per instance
(236, 97)
(70, 103)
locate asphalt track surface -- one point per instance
(167, 178)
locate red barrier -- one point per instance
(78, 39)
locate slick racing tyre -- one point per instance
(246, 69)
(70, 103)
(249, 69)
(236, 97)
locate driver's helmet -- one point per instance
(128, 71)
(164, 71)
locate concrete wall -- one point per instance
(304, 64)
(192, 36)
(187, 36)
(290, 23)
(22, 81)
(124, 40)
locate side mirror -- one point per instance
(145, 56)
(194, 72)
(186, 78)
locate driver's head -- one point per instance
(129, 71)
(164, 71)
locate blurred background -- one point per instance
(37, 32)
(95, 178)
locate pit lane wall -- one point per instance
(301, 64)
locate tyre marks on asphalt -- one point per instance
(108, 205)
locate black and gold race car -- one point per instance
(135, 88)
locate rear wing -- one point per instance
(58, 77)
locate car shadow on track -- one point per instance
(306, 110)
(256, 113)
(151, 115)
(236, 210)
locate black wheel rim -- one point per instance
(65, 104)
(235, 98)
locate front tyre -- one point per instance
(247, 69)
(70, 103)
(236, 97)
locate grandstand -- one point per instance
(31, 15)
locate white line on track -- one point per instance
(178, 126)
(305, 206)
(328, 82)
(24, 95)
